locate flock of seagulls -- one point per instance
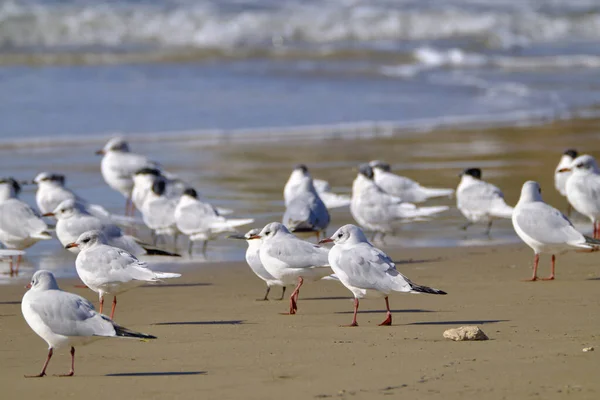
(107, 255)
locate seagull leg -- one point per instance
(101, 303)
(283, 293)
(569, 209)
(354, 323)
(190, 247)
(204, 246)
(536, 261)
(11, 266)
(127, 202)
(388, 318)
(114, 305)
(266, 298)
(489, 228)
(294, 297)
(18, 262)
(43, 373)
(551, 277)
(72, 371)
(465, 226)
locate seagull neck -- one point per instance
(6, 193)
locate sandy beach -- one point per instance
(216, 341)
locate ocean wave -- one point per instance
(232, 25)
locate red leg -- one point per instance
(354, 323)
(551, 277)
(19, 257)
(43, 373)
(101, 303)
(112, 312)
(388, 318)
(294, 297)
(536, 261)
(72, 371)
(596, 230)
(11, 266)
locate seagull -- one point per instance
(158, 211)
(367, 271)
(291, 260)
(118, 166)
(143, 180)
(403, 187)
(51, 191)
(202, 221)
(544, 228)
(378, 211)
(480, 201)
(583, 189)
(73, 220)
(66, 319)
(20, 225)
(322, 187)
(561, 174)
(253, 260)
(109, 270)
(305, 211)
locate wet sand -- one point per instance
(216, 341)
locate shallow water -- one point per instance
(249, 178)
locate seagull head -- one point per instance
(66, 209)
(9, 188)
(190, 192)
(474, 173)
(43, 280)
(584, 164)
(380, 165)
(270, 231)
(366, 170)
(159, 187)
(88, 239)
(347, 234)
(116, 144)
(49, 178)
(531, 192)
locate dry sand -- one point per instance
(217, 342)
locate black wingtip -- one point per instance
(425, 289)
(151, 251)
(124, 332)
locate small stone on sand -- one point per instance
(586, 349)
(465, 333)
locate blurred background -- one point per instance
(231, 94)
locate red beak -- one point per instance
(48, 215)
(564, 170)
(254, 237)
(28, 286)
(326, 240)
(71, 245)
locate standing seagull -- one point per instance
(109, 270)
(201, 221)
(378, 211)
(158, 211)
(65, 319)
(74, 220)
(253, 260)
(583, 189)
(118, 166)
(544, 228)
(305, 211)
(367, 271)
(20, 225)
(322, 187)
(403, 187)
(562, 174)
(291, 260)
(480, 201)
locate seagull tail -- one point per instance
(229, 224)
(437, 192)
(121, 331)
(502, 210)
(591, 241)
(425, 289)
(166, 275)
(421, 211)
(42, 235)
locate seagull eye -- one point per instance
(268, 233)
(340, 235)
(86, 240)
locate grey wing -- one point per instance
(70, 315)
(306, 210)
(129, 163)
(118, 265)
(160, 213)
(196, 217)
(395, 184)
(368, 268)
(546, 224)
(480, 197)
(19, 220)
(297, 253)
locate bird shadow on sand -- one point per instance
(166, 373)
(409, 310)
(231, 322)
(327, 298)
(168, 285)
(411, 261)
(468, 322)
(10, 302)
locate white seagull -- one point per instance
(291, 260)
(583, 189)
(109, 270)
(158, 211)
(367, 271)
(65, 319)
(322, 187)
(544, 228)
(480, 201)
(378, 211)
(73, 220)
(201, 221)
(305, 211)
(403, 187)
(20, 225)
(562, 174)
(118, 167)
(253, 260)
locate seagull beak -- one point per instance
(71, 245)
(254, 237)
(48, 215)
(236, 236)
(564, 170)
(326, 240)
(100, 152)
(28, 286)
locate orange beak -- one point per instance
(564, 170)
(48, 215)
(71, 245)
(254, 237)
(28, 286)
(326, 240)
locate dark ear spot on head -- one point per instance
(571, 153)
(366, 170)
(301, 167)
(191, 192)
(159, 187)
(474, 172)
